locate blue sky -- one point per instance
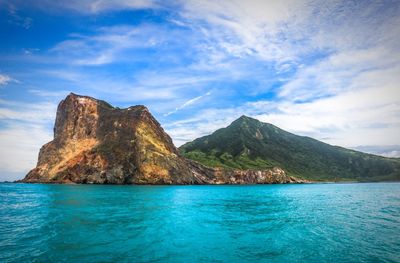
(325, 69)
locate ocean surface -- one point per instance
(258, 223)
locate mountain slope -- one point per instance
(250, 144)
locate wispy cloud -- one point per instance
(25, 127)
(341, 71)
(29, 112)
(187, 103)
(16, 18)
(20, 144)
(143, 87)
(101, 48)
(98, 6)
(47, 93)
(85, 6)
(5, 79)
(392, 151)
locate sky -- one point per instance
(325, 69)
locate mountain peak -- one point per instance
(74, 96)
(245, 119)
(248, 143)
(76, 99)
(247, 124)
(83, 99)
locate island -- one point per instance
(96, 143)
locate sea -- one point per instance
(343, 222)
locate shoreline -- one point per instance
(309, 182)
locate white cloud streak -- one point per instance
(20, 144)
(27, 112)
(5, 79)
(99, 6)
(392, 151)
(87, 7)
(25, 128)
(187, 103)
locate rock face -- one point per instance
(97, 143)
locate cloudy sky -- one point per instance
(325, 69)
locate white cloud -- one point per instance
(288, 32)
(47, 93)
(20, 144)
(392, 151)
(343, 71)
(246, 28)
(25, 128)
(105, 5)
(108, 44)
(143, 87)
(85, 6)
(4, 79)
(347, 119)
(17, 19)
(187, 103)
(391, 154)
(27, 112)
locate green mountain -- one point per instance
(250, 144)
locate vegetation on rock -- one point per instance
(250, 144)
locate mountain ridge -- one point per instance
(248, 143)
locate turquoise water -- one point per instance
(260, 223)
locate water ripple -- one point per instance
(279, 223)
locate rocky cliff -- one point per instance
(97, 143)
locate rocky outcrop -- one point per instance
(97, 143)
(208, 175)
